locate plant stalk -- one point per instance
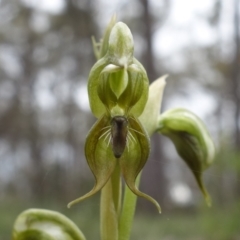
(110, 206)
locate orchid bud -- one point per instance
(192, 141)
(39, 224)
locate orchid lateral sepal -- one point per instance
(134, 160)
(99, 156)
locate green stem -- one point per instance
(117, 188)
(110, 207)
(128, 210)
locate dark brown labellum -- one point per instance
(119, 131)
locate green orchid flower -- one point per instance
(127, 115)
(128, 112)
(118, 93)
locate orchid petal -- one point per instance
(99, 157)
(96, 105)
(134, 160)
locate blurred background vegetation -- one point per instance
(45, 58)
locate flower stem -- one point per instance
(128, 210)
(110, 207)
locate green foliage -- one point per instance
(177, 225)
(153, 105)
(215, 223)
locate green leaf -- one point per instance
(153, 105)
(99, 156)
(104, 46)
(192, 141)
(40, 224)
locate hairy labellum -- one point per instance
(119, 130)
